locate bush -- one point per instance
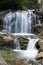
(19, 4)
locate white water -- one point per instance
(31, 52)
(16, 44)
(19, 22)
(31, 44)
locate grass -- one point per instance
(9, 56)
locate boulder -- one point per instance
(39, 55)
(40, 42)
(38, 28)
(6, 39)
(6, 36)
(41, 33)
(23, 42)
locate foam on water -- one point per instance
(16, 44)
(30, 53)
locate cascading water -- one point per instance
(19, 22)
(31, 44)
(31, 52)
(16, 44)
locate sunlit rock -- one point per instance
(2, 61)
(39, 55)
(40, 42)
(41, 33)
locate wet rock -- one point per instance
(37, 46)
(40, 42)
(38, 28)
(41, 34)
(23, 42)
(6, 39)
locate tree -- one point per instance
(18, 4)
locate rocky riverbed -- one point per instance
(6, 42)
(10, 58)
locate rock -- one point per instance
(38, 28)
(6, 36)
(40, 55)
(41, 34)
(6, 39)
(19, 62)
(40, 42)
(2, 13)
(2, 62)
(23, 42)
(23, 62)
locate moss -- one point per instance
(9, 56)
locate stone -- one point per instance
(38, 28)
(41, 34)
(23, 42)
(23, 62)
(6, 39)
(39, 55)
(19, 62)
(40, 42)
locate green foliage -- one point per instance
(33, 4)
(18, 4)
(9, 56)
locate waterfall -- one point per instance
(16, 44)
(31, 44)
(31, 52)
(19, 21)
